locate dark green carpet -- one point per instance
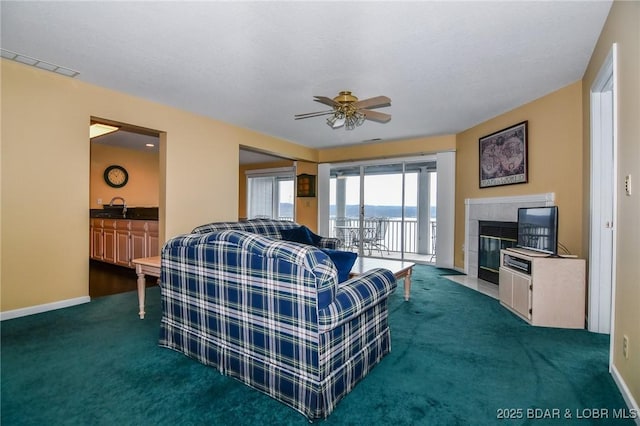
(457, 357)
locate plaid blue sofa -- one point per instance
(271, 314)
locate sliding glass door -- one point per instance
(385, 209)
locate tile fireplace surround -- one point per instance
(496, 209)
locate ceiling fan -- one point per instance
(348, 111)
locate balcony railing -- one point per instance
(346, 229)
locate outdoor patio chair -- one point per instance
(379, 236)
(343, 231)
(374, 234)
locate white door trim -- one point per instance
(602, 241)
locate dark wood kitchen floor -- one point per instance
(106, 279)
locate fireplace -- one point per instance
(493, 236)
(493, 209)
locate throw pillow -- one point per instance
(343, 260)
(302, 235)
(315, 238)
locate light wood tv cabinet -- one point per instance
(542, 290)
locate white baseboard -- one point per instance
(17, 313)
(632, 404)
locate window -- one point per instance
(270, 194)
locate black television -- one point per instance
(538, 229)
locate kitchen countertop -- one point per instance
(133, 213)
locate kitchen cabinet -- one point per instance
(138, 236)
(152, 239)
(109, 240)
(119, 241)
(97, 240)
(123, 244)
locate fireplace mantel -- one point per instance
(496, 209)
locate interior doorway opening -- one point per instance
(124, 205)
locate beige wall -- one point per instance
(45, 176)
(45, 190)
(398, 148)
(142, 188)
(555, 162)
(622, 27)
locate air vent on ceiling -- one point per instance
(43, 65)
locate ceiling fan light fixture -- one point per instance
(336, 121)
(349, 125)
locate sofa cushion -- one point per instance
(343, 260)
(267, 227)
(302, 235)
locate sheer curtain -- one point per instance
(270, 193)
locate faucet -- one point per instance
(124, 205)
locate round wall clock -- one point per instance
(116, 176)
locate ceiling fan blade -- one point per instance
(376, 102)
(325, 100)
(380, 117)
(313, 114)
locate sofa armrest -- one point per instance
(356, 296)
(329, 243)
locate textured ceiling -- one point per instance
(446, 66)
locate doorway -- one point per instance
(124, 191)
(602, 244)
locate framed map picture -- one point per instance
(503, 157)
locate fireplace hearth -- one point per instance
(494, 236)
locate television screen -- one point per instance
(538, 229)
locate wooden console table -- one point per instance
(145, 266)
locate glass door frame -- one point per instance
(362, 165)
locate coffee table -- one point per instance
(145, 266)
(400, 269)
